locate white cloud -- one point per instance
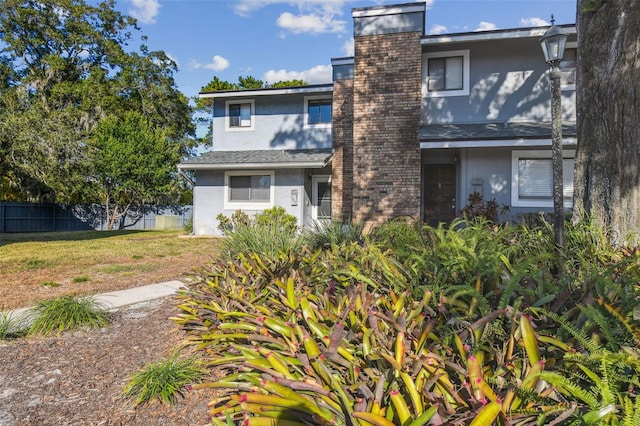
(311, 23)
(438, 29)
(218, 64)
(533, 22)
(308, 16)
(486, 26)
(317, 75)
(145, 11)
(349, 47)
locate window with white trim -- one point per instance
(568, 67)
(532, 178)
(446, 73)
(240, 115)
(317, 111)
(248, 190)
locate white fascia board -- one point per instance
(513, 143)
(284, 91)
(342, 61)
(490, 35)
(253, 166)
(387, 10)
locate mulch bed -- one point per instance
(77, 378)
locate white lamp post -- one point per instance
(553, 43)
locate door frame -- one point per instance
(314, 194)
(456, 184)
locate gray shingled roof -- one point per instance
(490, 131)
(281, 158)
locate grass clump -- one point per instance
(10, 326)
(82, 279)
(164, 380)
(51, 284)
(67, 313)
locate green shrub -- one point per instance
(276, 217)
(187, 226)
(67, 313)
(477, 207)
(238, 220)
(270, 233)
(346, 332)
(325, 234)
(164, 380)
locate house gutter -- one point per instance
(242, 166)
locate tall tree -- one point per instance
(133, 164)
(64, 67)
(607, 172)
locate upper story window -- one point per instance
(446, 73)
(317, 111)
(532, 178)
(240, 115)
(568, 67)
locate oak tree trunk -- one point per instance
(607, 174)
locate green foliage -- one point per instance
(237, 220)
(289, 83)
(164, 380)
(268, 233)
(277, 217)
(404, 239)
(324, 235)
(11, 327)
(477, 207)
(462, 323)
(65, 314)
(187, 226)
(64, 66)
(134, 164)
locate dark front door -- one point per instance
(439, 182)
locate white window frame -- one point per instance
(306, 112)
(516, 155)
(227, 117)
(248, 205)
(314, 194)
(445, 93)
(571, 45)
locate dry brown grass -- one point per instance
(35, 267)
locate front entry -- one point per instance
(439, 182)
(321, 198)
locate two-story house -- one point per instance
(411, 126)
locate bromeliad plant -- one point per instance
(352, 352)
(464, 332)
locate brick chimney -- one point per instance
(376, 165)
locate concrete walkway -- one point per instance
(117, 299)
(131, 296)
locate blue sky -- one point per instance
(281, 40)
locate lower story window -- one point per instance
(248, 190)
(532, 177)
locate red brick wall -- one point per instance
(386, 119)
(342, 163)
